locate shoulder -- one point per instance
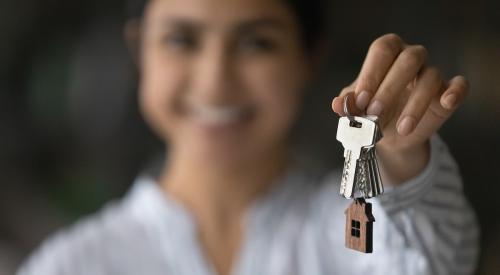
(97, 244)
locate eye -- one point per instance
(183, 41)
(257, 43)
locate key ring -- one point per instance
(346, 109)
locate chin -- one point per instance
(222, 152)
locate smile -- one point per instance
(217, 116)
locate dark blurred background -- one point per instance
(71, 137)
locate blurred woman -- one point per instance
(221, 85)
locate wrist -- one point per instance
(400, 165)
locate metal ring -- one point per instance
(346, 109)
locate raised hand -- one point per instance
(410, 97)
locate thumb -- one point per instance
(343, 101)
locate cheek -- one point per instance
(158, 95)
(278, 93)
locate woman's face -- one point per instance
(221, 80)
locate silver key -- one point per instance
(355, 136)
(368, 179)
(379, 131)
(369, 183)
(363, 180)
(376, 181)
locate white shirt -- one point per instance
(424, 226)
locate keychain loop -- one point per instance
(346, 110)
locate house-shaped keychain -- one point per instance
(359, 226)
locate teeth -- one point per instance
(218, 115)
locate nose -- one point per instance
(213, 75)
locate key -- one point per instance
(363, 178)
(354, 135)
(377, 186)
(367, 179)
(372, 186)
(379, 131)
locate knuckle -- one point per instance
(411, 57)
(434, 73)
(440, 113)
(462, 86)
(392, 38)
(388, 44)
(368, 82)
(346, 90)
(421, 51)
(464, 83)
(383, 49)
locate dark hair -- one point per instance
(311, 16)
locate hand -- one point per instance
(411, 99)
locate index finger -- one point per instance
(379, 59)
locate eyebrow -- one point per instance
(241, 27)
(264, 22)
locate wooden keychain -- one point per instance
(359, 226)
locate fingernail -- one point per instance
(450, 101)
(375, 108)
(406, 125)
(362, 100)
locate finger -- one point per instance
(338, 104)
(438, 114)
(379, 59)
(403, 71)
(338, 101)
(457, 90)
(428, 85)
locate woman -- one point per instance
(221, 84)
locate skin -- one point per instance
(248, 53)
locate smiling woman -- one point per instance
(221, 83)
